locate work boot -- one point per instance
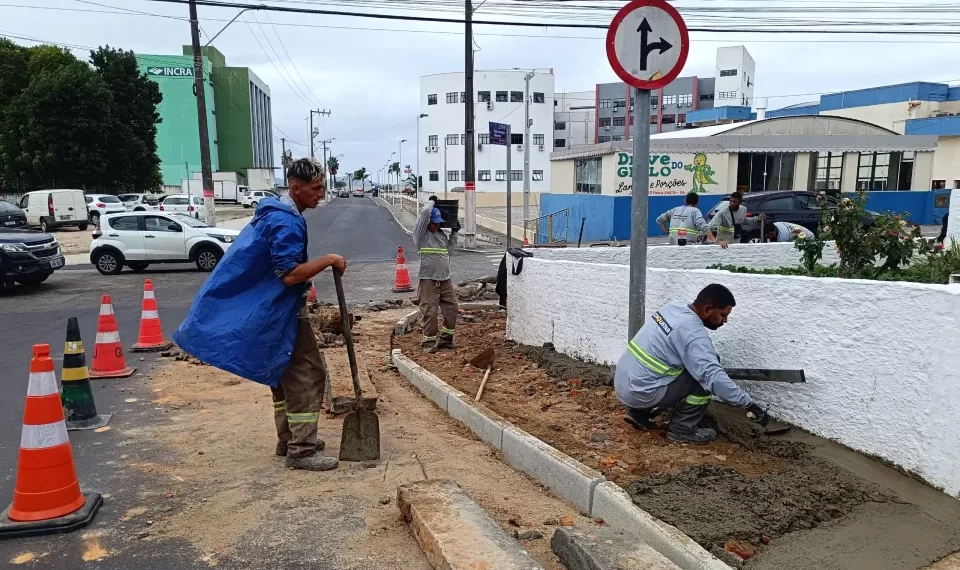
(282, 447)
(639, 419)
(700, 436)
(446, 345)
(313, 462)
(429, 347)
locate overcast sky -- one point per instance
(369, 77)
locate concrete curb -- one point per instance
(474, 306)
(565, 477)
(405, 324)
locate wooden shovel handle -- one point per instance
(483, 384)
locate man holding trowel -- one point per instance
(435, 292)
(671, 363)
(250, 316)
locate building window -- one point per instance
(501, 175)
(452, 140)
(685, 100)
(538, 97)
(432, 99)
(758, 172)
(463, 97)
(433, 140)
(516, 138)
(483, 96)
(669, 100)
(605, 103)
(728, 73)
(727, 94)
(873, 171)
(667, 119)
(706, 96)
(654, 120)
(616, 138)
(453, 176)
(681, 118)
(654, 101)
(483, 175)
(559, 143)
(537, 175)
(560, 126)
(619, 121)
(463, 139)
(452, 97)
(829, 170)
(501, 96)
(618, 103)
(589, 173)
(631, 102)
(434, 176)
(537, 140)
(483, 138)
(603, 139)
(516, 176)
(516, 96)
(605, 121)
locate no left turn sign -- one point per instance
(647, 44)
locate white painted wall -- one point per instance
(447, 119)
(946, 161)
(735, 57)
(879, 379)
(577, 111)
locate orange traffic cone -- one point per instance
(312, 295)
(526, 242)
(402, 282)
(46, 497)
(108, 359)
(151, 332)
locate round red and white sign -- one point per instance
(647, 43)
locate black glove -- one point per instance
(455, 227)
(759, 414)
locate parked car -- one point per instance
(252, 197)
(11, 216)
(358, 192)
(183, 203)
(343, 193)
(139, 202)
(27, 257)
(137, 239)
(101, 204)
(51, 209)
(794, 206)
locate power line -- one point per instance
(292, 62)
(280, 73)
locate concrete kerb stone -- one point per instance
(479, 306)
(487, 425)
(605, 548)
(618, 510)
(566, 478)
(435, 389)
(405, 324)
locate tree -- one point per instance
(395, 169)
(333, 165)
(133, 164)
(361, 174)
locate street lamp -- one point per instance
(417, 173)
(400, 166)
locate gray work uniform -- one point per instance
(686, 224)
(435, 292)
(786, 231)
(672, 362)
(725, 223)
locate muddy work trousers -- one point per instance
(434, 297)
(296, 400)
(689, 400)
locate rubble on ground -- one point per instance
(483, 289)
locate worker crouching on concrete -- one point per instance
(250, 316)
(671, 363)
(435, 292)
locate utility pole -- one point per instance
(206, 171)
(400, 167)
(526, 152)
(417, 173)
(469, 156)
(283, 159)
(444, 174)
(313, 135)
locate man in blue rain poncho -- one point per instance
(250, 316)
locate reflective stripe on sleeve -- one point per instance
(652, 363)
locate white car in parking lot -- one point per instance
(184, 204)
(101, 204)
(252, 197)
(137, 239)
(139, 202)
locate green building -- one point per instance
(238, 115)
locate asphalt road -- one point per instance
(364, 233)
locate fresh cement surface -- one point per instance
(562, 367)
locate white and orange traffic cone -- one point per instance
(402, 282)
(108, 359)
(312, 295)
(151, 331)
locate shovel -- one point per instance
(360, 439)
(483, 360)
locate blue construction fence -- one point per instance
(608, 217)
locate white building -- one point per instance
(735, 77)
(574, 118)
(498, 98)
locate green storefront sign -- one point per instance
(170, 71)
(669, 174)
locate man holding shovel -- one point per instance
(435, 292)
(250, 316)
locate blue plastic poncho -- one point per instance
(244, 319)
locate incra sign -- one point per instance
(170, 71)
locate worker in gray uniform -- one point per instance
(729, 219)
(686, 222)
(671, 363)
(785, 231)
(435, 292)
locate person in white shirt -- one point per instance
(785, 231)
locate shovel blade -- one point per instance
(360, 439)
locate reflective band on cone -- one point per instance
(151, 332)
(79, 406)
(108, 359)
(402, 282)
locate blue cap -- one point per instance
(435, 216)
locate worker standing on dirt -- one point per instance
(250, 317)
(686, 222)
(671, 363)
(435, 293)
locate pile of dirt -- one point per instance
(479, 290)
(562, 367)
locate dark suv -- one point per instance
(794, 206)
(27, 257)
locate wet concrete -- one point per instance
(562, 367)
(830, 507)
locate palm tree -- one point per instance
(360, 174)
(333, 165)
(395, 169)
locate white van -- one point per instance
(55, 208)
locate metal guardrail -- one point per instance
(550, 228)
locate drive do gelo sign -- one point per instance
(647, 44)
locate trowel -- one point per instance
(768, 375)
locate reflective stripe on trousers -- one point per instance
(697, 400)
(433, 251)
(652, 363)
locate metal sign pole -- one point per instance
(509, 202)
(639, 210)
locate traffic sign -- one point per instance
(499, 133)
(647, 44)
